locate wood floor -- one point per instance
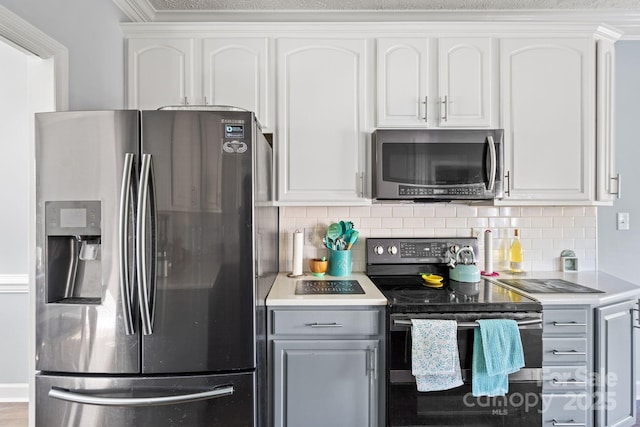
(14, 414)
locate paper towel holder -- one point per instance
(297, 255)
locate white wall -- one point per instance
(14, 160)
(618, 251)
(90, 30)
(14, 221)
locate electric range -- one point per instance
(394, 266)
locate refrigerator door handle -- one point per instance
(123, 254)
(75, 397)
(146, 288)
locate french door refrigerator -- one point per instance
(156, 247)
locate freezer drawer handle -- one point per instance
(74, 397)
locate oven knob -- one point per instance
(392, 250)
(379, 250)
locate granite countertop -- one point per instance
(614, 289)
(283, 292)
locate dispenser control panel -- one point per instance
(73, 218)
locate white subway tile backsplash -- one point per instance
(424, 211)
(413, 222)
(445, 211)
(545, 231)
(456, 223)
(338, 212)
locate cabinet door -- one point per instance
(403, 76)
(159, 72)
(235, 73)
(321, 112)
(547, 89)
(615, 385)
(464, 81)
(608, 181)
(325, 383)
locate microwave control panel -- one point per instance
(413, 191)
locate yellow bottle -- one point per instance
(516, 255)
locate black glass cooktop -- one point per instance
(549, 286)
(407, 294)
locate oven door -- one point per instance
(438, 164)
(522, 406)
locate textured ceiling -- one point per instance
(272, 5)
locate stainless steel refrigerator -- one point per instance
(156, 247)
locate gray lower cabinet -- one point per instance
(327, 367)
(614, 395)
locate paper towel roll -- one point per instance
(297, 253)
(488, 252)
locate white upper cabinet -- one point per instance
(607, 179)
(235, 73)
(321, 92)
(548, 106)
(229, 71)
(464, 81)
(403, 78)
(159, 72)
(418, 88)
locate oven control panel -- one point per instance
(435, 250)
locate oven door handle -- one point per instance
(472, 324)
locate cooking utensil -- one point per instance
(334, 231)
(353, 237)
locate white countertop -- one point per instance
(283, 292)
(615, 289)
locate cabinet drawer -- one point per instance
(565, 410)
(567, 321)
(564, 350)
(564, 378)
(321, 322)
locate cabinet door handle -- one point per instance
(572, 323)
(571, 381)
(507, 192)
(445, 102)
(569, 353)
(566, 423)
(618, 179)
(426, 108)
(324, 325)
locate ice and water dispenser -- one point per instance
(73, 239)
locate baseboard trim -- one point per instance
(14, 392)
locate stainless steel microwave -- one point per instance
(437, 164)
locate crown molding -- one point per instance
(137, 10)
(28, 38)
(624, 21)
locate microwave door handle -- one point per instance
(494, 163)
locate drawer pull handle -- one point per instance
(567, 423)
(325, 325)
(571, 381)
(568, 324)
(569, 353)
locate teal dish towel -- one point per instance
(434, 354)
(497, 352)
